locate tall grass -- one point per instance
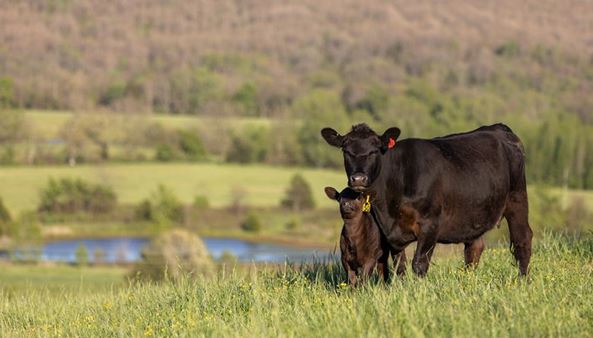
(555, 300)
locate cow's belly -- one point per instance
(468, 225)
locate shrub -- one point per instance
(74, 195)
(5, 220)
(251, 223)
(172, 255)
(166, 153)
(201, 202)
(82, 255)
(298, 195)
(162, 207)
(249, 146)
(191, 145)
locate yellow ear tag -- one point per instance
(366, 206)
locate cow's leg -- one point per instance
(399, 262)
(424, 250)
(367, 269)
(352, 279)
(516, 214)
(473, 251)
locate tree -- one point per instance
(298, 195)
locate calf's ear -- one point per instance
(388, 138)
(332, 137)
(332, 193)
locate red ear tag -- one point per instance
(391, 143)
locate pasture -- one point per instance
(262, 185)
(555, 300)
(48, 124)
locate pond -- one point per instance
(128, 249)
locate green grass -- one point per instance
(264, 185)
(18, 279)
(48, 124)
(555, 300)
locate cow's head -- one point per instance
(350, 201)
(363, 151)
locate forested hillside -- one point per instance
(429, 67)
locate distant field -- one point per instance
(556, 300)
(264, 185)
(49, 123)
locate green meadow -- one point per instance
(49, 124)
(262, 185)
(556, 299)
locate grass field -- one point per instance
(555, 300)
(264, 185)
(48, 124)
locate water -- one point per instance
(128, 249)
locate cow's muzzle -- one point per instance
(358, 181)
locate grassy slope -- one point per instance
(265, 185)
(556, 300)
(48, 124)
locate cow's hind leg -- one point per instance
(472, 252)
(516, 214)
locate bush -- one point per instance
(74, 195)
(173, 255)
(5, 220)
(191, 145)
(162, 207)
(298, 195)
(166, 153)
(82, 255)
(251, 223)
(201, 202)
(249, 146)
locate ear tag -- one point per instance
(391, 143)
(366, 206)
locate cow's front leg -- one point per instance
(424, 249)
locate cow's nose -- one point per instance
(358, 180)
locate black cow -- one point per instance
(449, 189)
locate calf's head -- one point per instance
(350, 201)
(363, 152)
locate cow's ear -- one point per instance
(389, 137)
(332, 137)
(332, 193)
